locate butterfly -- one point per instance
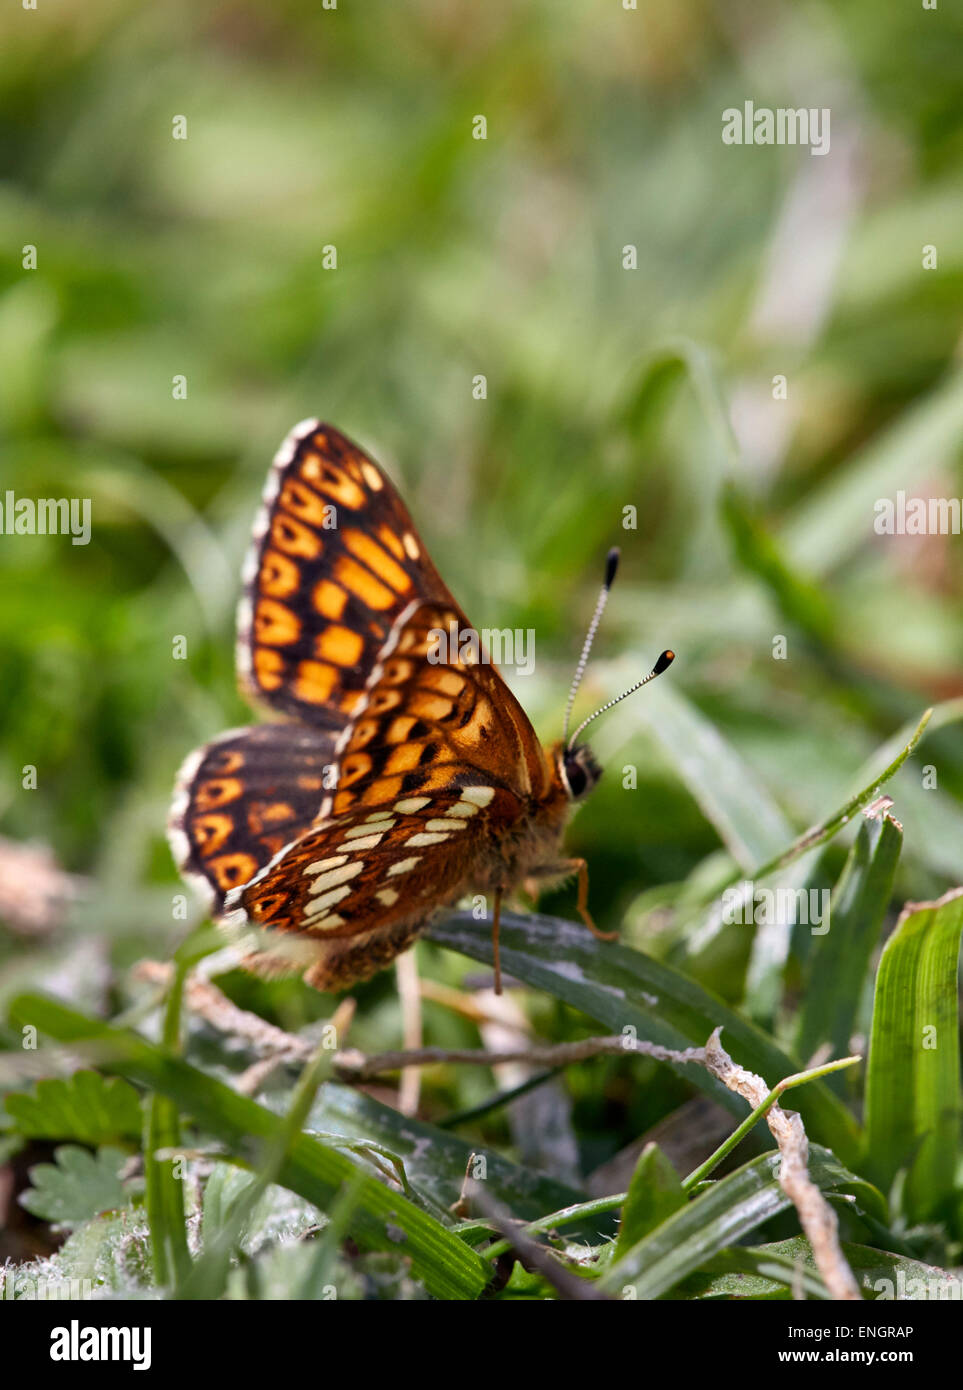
(400, 772)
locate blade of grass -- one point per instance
(913, 1078)
(719, 1217)
(622, 988)
(164, 1191)
(840, 959)
(816, 836)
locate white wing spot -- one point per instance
(461, 810)
(411, 804)
(379, 815)
(420, 840)
(478, 796)
(334, 862)
(336, 876)
(368, 841)
(404, 866)
(359, 830)
(388, 896)
(445, 826)
(412, 548)
(371, 476)
(328, 923)
(327, 900)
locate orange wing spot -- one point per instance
(364, 732)
(401, 728)
(437, 779)
(443, 682)
(413, 643)
(265, 908)
(217, 791)
(275, 624)
(350, 700)
(279, 577)
(362, 584)
(404, 758)
(315, 681)
(329, 599)
(335, 482)
(211, 833)
(262, 815)
(231, 870)
(304, 503)
(341, 645)
(224, 761)
(383, 700)
(293, 538)
(382, 790)
(397, 671)
(370, 552)
(427, 706)
(391, 541)
(268, 668)
(355, 765)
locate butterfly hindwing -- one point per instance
(335, 558)
(242, 798)
(356, 889)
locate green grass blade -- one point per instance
(164, 1191)
(623, 988)
(728, 792)
(913, 1081)
(382, 1220)
(721, 1216)
(840, 958)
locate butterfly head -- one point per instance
(578, 770)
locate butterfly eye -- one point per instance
(581, 772)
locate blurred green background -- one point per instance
(607, 388)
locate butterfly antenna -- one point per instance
(611, 565)
(665, 660)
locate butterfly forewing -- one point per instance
(434, 718)
(334, 560)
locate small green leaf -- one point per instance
(655, 1192)
(77, 1186)
(85, 1107)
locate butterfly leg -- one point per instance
(496, 928)
(580, 867)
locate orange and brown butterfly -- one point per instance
(394, 781)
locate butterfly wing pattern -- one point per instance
(432, 778)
